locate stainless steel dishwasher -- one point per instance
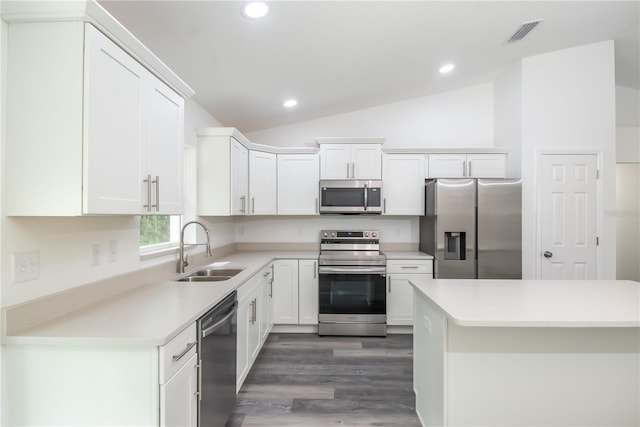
(217, 352)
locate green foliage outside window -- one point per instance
(155, 229)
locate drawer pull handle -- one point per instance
(410, 266)
(190, 345)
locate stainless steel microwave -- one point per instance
(350, 197)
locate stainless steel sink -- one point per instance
(211, 275)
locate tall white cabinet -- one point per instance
(107, 137)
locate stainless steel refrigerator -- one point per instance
(473, 228)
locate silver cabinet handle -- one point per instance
(389, 279)
(316, 205)
(243, 200)
(353, 170)
(409, 266)
(253, 205)
(384, 205)
(148, 182)
(199, 392)
(547, 254)
(464, 168)
(190, 345)
(254, 310)
(469, 174)
(157, 205)
(271, 288)
(315, 269)
(348, 170)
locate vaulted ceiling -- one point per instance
(340, 56)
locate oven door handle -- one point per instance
(351, 270)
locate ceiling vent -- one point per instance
(522, 32)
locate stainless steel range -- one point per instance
(352, 286)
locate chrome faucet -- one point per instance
(183, 261)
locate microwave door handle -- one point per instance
(365, 196)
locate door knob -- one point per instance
(547, 254)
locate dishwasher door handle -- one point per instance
(233, 311)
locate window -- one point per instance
(158, 232)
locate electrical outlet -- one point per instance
(95, 254)
(26, 266)
(113, 250)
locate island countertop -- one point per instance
(535, 303)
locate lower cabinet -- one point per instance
(249, 336)
(179, 396)
(295, 292)
(400, 291)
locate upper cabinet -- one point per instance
(350, 158)
(89, 129)
(467, 165)
(262, 183)
(298, 178)
(403, 184)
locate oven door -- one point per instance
(349, 293)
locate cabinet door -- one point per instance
(335, 161)
(486, 165)
(298, 184)
(285, 291)
(366, 161)
(113, 132)
(308, 292)
(178, 398)
(239, 179)
(447, 165)
(400, 299)
(255, 333)
(164, 147)
(266, 311)
(242, 351)
(403, 184)
(262, 183)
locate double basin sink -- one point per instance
(210, 274)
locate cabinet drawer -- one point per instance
(416, 266)
(247, 288)
(177, 352)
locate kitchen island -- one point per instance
(525, 352)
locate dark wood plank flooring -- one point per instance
(307, 380)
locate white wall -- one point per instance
(460, 118)
(508, 116)
(627, 107)
(568, 103)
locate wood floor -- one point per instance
(306, 380)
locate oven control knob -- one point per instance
(374, 234)
(366, 234)
(326, 234)
(333, 234)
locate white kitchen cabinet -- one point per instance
(84, 148)
(298, 184)
(266, 312)
(262, 183)
(249, 335)
(285, 291)
(400, 291)
(308, 292)
(467, 165)
(350, 160)
(403, 184)
(179, 380)
(239, 178)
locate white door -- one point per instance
(308, 292)
(285, 291)
(447, 165)
(400, 299)
(298, 176)
(113, 130)
(262, 183)
(164, 147)
(366, 161)
(403, 187)
(486, 165)
(335, 161)
(239, 178)
(568, 216)
(178, 399)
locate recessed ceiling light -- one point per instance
(447, 68)
(255, 9)
(289, 103)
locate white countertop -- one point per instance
(536, 303)
(407, 255)
(152, 315)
